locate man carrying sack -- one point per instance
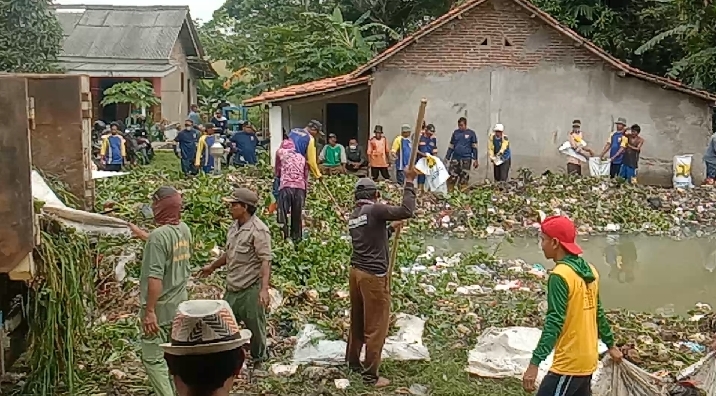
(369, 280)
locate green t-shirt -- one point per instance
(166, 257)
(333, 155)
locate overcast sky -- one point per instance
(200, 9)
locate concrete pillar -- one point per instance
(276, 130)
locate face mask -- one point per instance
(187, 127)
(353, 147)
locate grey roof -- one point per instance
(125, 32)
(113, 69)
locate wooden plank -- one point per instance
(16, 210)
(58, 146)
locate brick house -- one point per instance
(504, 61)
(112, 44)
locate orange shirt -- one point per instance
(378, 152)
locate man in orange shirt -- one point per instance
(378, 154)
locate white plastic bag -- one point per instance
(703, 373)
(566, 149)
(626, 379)
(598, 168)
(436, 177)
(682, 171)
(506, 352)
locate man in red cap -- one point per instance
(575, 319)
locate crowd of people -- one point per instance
(194, 142)
(196, 346)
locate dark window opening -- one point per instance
(182, 82)
(342, 119)
(507, 43)
(485, 42)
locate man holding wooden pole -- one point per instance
(371, 266)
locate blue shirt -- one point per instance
(497, 145)
(114, 151)
(220, 124)
(245, 147)
(300, 139)
(401, 162)
(194, 117)
(462, 145)
(427, 145)
(187, 140)
(616, 141)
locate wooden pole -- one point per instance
(411, 164)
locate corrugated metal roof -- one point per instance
(94, 69)
(122, 32)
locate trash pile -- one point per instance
(454, 297)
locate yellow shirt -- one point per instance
(575, 352)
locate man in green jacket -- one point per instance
(333, 157)
(162, 282)
(575, 319)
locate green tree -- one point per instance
(30, 36)
(308, 46)
(138, 94)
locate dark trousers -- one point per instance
(400, 177)
(370, 319)
(375, 173)
(614, 170)
(565, 385)
(502, 172)
(574, 169)
(187, 166)
(113, 167)
(290, 201)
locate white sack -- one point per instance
(682, 171)
(626, 379)
(79, 219)
(703, 373)
(598, 168)
(436, 177)
(506, 352)
(566, 149)
(407, 344)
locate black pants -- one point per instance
(375, 173)
(113, 167)
(291, 200)
(565, 385)
(614, 170)
(574, 169)
(502, 172)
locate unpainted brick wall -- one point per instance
(479, 39)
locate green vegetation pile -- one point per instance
(312, 278)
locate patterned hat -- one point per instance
(202, 327)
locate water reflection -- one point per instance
(640, 273)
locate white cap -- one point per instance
(499, 128)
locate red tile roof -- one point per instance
(308, 89)
(358, 76)
(548, 19)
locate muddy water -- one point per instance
(656, 273)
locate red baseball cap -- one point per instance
(563, 230)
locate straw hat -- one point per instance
(201, 327)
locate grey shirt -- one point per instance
(248, 245)
(368, 226)
(710, 154)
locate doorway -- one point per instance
(342, 119)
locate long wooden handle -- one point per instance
(411, 164)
